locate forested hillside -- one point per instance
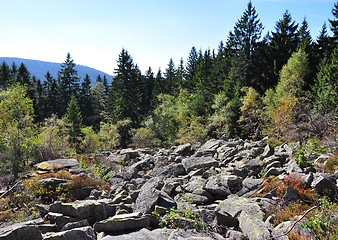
(282, 85)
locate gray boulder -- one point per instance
(82, 233)
(23, 231)
(189, 234)
(148, 196)
(325, 183)
(122, 222)
(56, 164)
(253, 227)
(92, 210)
(143, 234)
(184, 149)
(193, 163)
(223, 184)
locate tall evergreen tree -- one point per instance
(334, 22)
(124, 92)
(171, 85)
(68, 82)
(158, 88)
(191, 67)
(284, 42)
(52, 99)
(74, 123)
(305, 40)
(5, 74)
(244, 41)
(98, 100)
(148, 87)
(85, 102)
(105, 83)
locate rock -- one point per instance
(83, 233)
(291, 195)
(274, 172)
(198, 198)
(82, 193)
(250, 186)
(193, 163)
(92, 210)
(325, 183)
(184, 149)
(285, 226)
(189, 234)
(123, 222)
(168, 171)
(235, 235)
(53, 182)
(23, 231)
(195, 183)
(248, 168)
(223, 185)
(234, 206)
(148, 196)
(292, 167)
(72, 225)
(143, 234)
(225, 219)
(129, 154)
(59, 219)
(253, 227)
(45, 228)
(56, 164)
(268, 151)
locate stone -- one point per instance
(292, 167)
(59, 219)
(168, 171)
(45, 228)
(83, 233)
(23, 231)
(253, 227)
(274, 172)
(72, 225)
(184, 149)
(234, 206)
(148, 196)
(143, 234)
(82, 193)
(325, 183)
(194, 183)
(57, 164)
(291, 195)
(189, 234)
(92, 210)
(223, 185)
(123, 222)
(268, 151)
(193, 163)
(225, 219)
(235, 235)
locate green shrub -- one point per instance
(91, 141)
(184, 216)
(324, 224)
(143, 137)
(305, 149)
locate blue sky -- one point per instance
(153, 31)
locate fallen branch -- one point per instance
(294, 224)
(2, 195)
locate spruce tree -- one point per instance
(5, 74)
(124, 101)
(171, 84)
(191, 67)
(85, 102)
(68, 82)
(74, 123)
(334, 22)
(52, 99)
(98, 101)
(284, 42)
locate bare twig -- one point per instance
(2, 195)
(294, 224)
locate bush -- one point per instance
(305, 149)
(143, 137)
(91, 141)
(331, 164)
(324, 224)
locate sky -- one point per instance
(152, 31)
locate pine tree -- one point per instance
(52, 100)
(305, 40)
(85, 102)
(244, 41)
(157, 89)
(334, 22)
(171, 85)
(5, 74)
(68, 82)
(284, 42)
(74, 123)
(124, 101)
(191, 67)
(105, 83)
(98, 100)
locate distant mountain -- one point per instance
(39, 68)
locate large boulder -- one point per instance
(223, 184)
(253, 227)
(23, 231)
(189, 234)
(168, 171)
(92, 210)
(193, 163)
(184, 149)
(83, 233)
(325, 184)
(56, 164)
(148, 196)
(143, 234)
(122, 222)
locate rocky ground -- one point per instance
(218, 179)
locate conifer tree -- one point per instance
(191, 68)
(74, 123)
(68, 82)
(157, 89)
(171, 84)
(85, 102)
(98, 100)
(5, 74)
(124, 101)
(334, 22)
(105, 83)
(52, 100)
(284, 42)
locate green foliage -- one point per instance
(74, 123)
(52, 139)
(305, 149)
(143, 137)
(16, 127)
(331, 164)
(324, 224)
(91, 140)
(184, 216)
